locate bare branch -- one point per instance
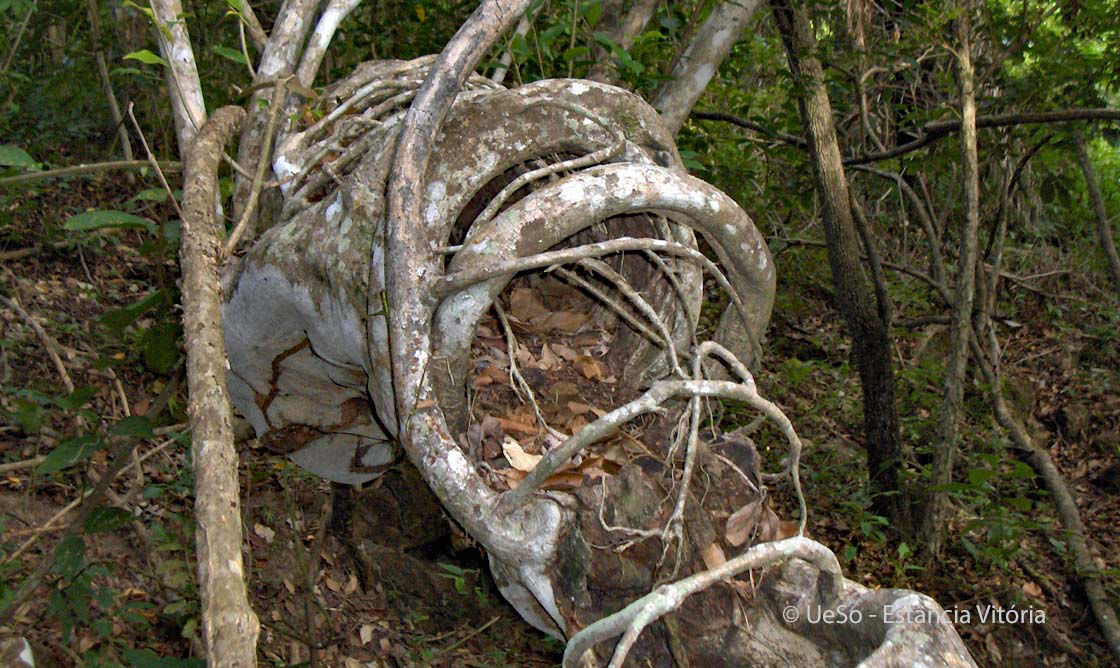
(700, 61)
(934, 131)
(87, 169)
(317, 44)
(229, 623)
(187, 104)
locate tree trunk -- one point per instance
(871, 345)
(701, 59)
(228, 622)
(937, 510)
(1104, 227)
(621, 27)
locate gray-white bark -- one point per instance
(700, 60)
(311, 366)
(187, 106)
(229, 624)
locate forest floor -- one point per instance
(397, 585)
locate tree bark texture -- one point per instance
(313, 369)
(871, 348)
(187, 105)
(229, 625)
(701, 59)
(937, 511)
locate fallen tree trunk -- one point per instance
(568, 179)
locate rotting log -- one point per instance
(522, 181)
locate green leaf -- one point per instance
(160, 349)
(29, 416)
(137, 426)
(576, 53)
(592, 12)
(14, 156)
(76, 399)
(977, 477)
(235, 5)
(121, 318)
(97, 220)
(102, 520)
(150, 195)
(229, 54)
(147, 11)
(70, 556)
(171, 231)
(132, 71)
(69, 452)
(147, 57)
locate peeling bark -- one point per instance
(311, 322)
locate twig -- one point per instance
(117, 463)
(262, 165)
(313, 574)
(48, 342)
(611, 303)
(650, 401)
(24, 464)
(19, 37)
(87, 168)
(641, 304)
(153, 162)
(515, 378)
(467, 637)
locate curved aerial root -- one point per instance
(631, 620)
(651, 401)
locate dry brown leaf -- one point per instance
(589, 367)
(564, 321)
(1033, 590)
(563, 480)
(769, 525)
(563, 390)
(517, 457)
(525, 356)
(742, 523)
(564, 351)
(576, 423)
(713, 555)
(578, 408)
(787, 529)
(549, 360)
(524, 305)
(512, 477)
(518, 426)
